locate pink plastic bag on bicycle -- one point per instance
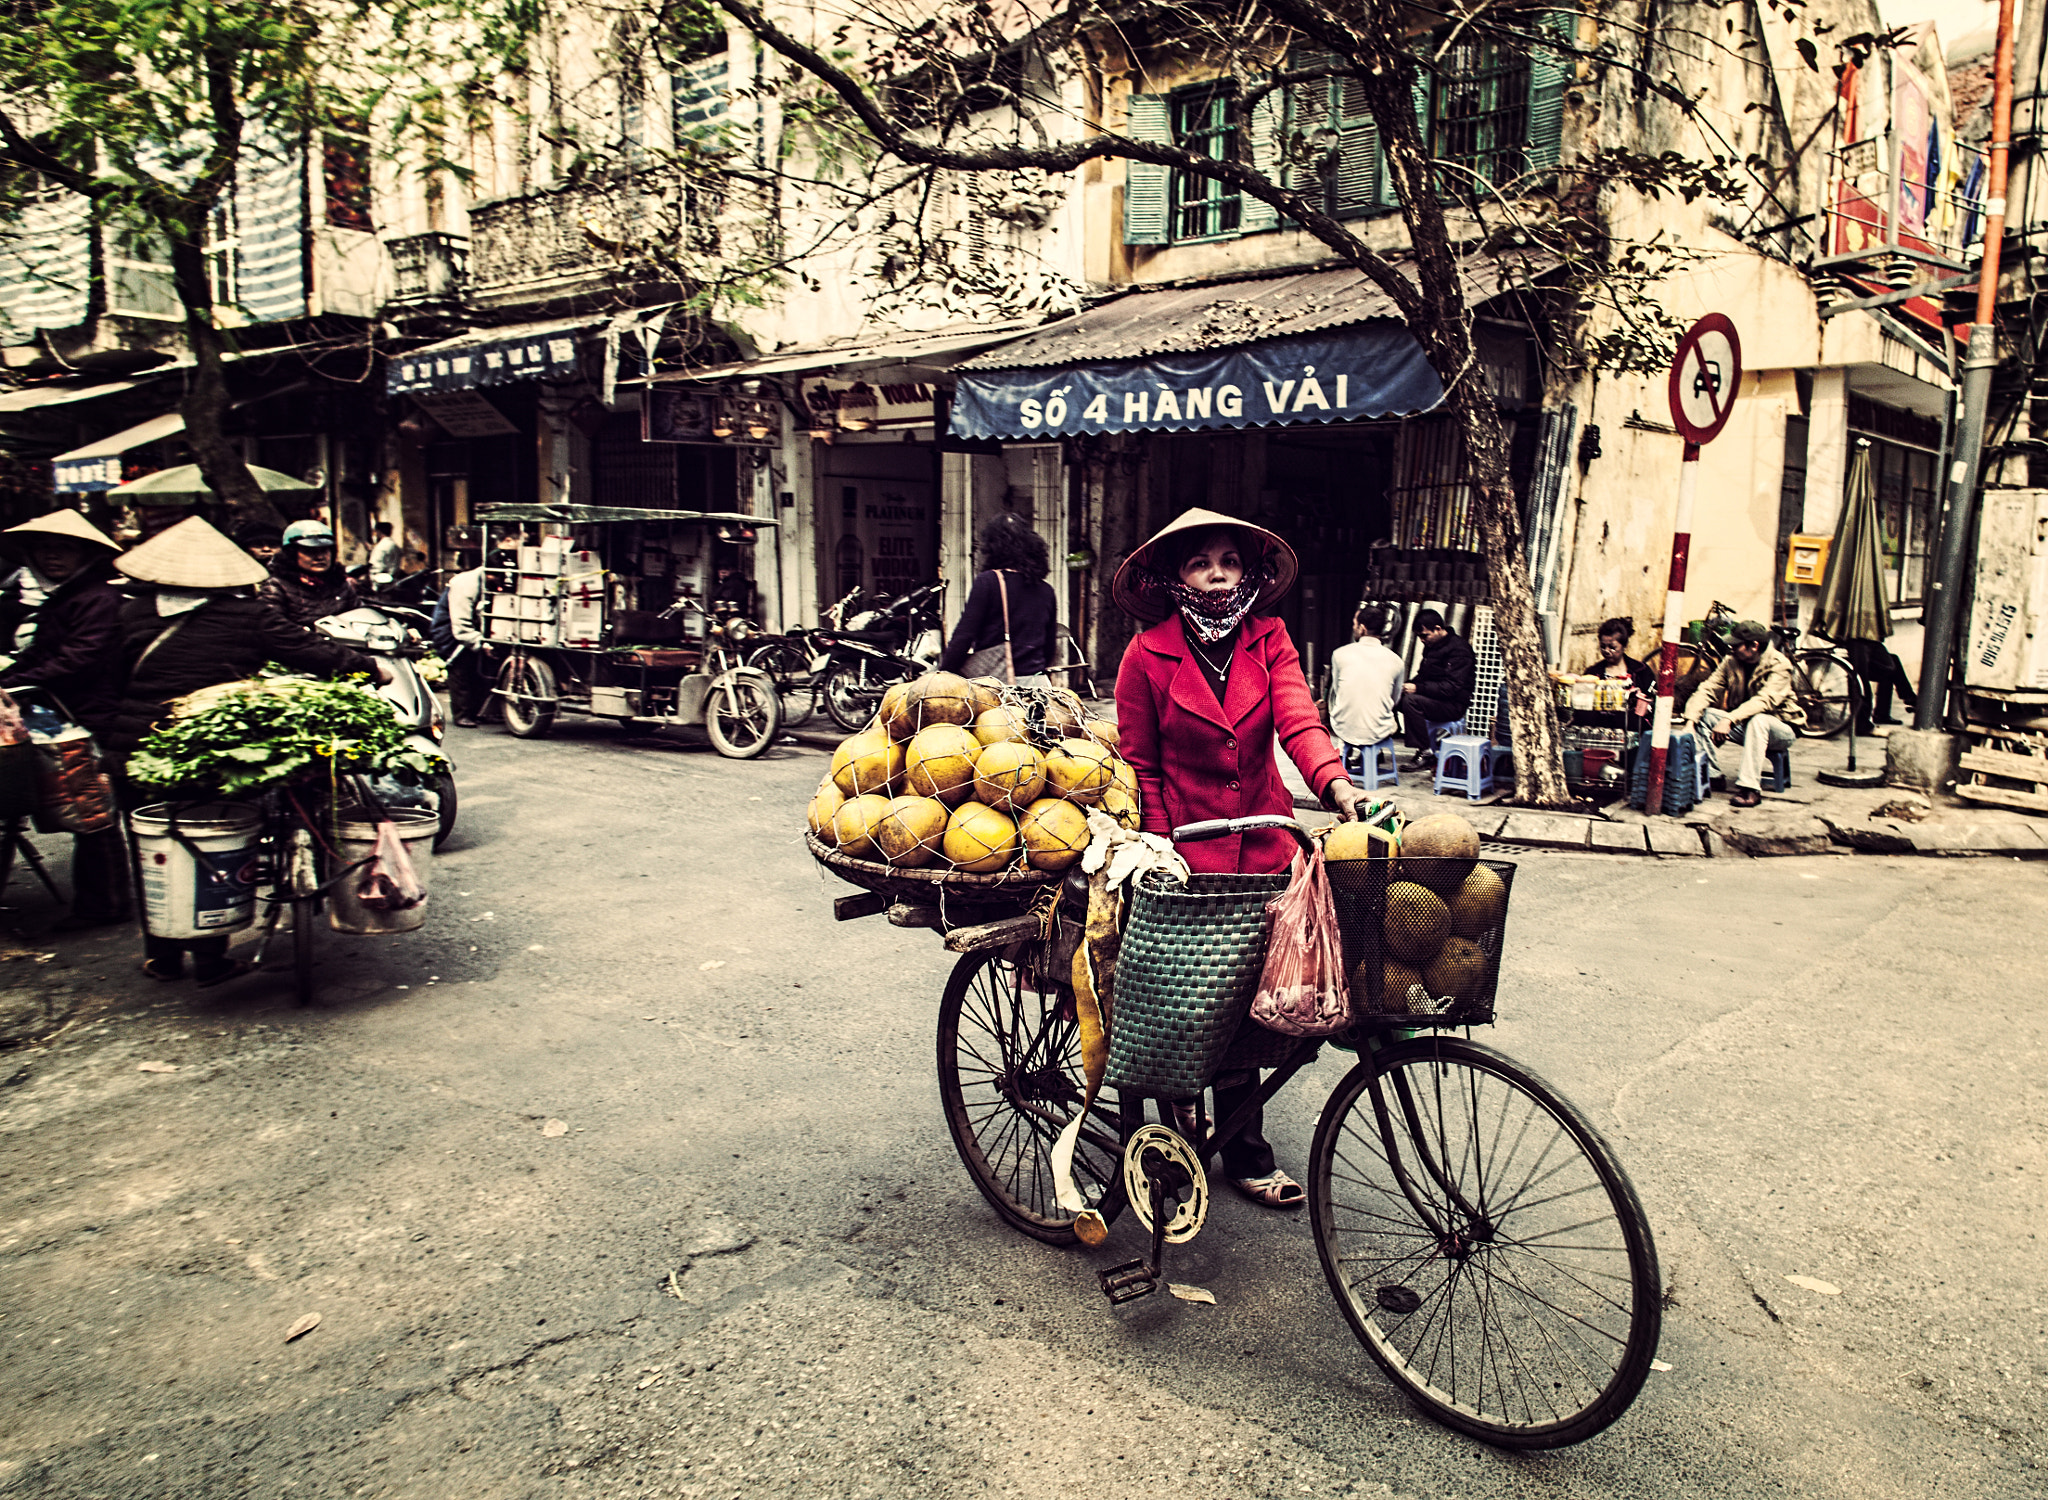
(387, 881)
(1302, 989)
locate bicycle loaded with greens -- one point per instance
(1476, 1229)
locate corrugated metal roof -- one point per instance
(937, 346)
(1188, 319)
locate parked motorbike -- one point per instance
(397, 637)
(876, 649)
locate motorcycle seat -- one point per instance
(872, 637)
(663, 656)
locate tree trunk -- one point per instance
(206, 399)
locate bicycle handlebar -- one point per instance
(1220, 828)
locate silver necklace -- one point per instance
(1222, 673)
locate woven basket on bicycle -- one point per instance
(1013, 888)
(1422, 946)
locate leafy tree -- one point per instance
(909, 88)
(147, 108)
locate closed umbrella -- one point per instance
(186, 481)
(1851, 605)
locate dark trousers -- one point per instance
(1247, 1153)
(1883, 674)
(1418, 712)
(470, 678)
(99, 876)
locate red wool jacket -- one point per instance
(1197, 759)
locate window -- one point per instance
(345, 172)
(1201, 207)
(139, 281)
(1904, 452)
(1479, 116)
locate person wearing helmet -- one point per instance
(306, 583)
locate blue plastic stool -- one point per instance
(1780, 775)
(1362, 764)
(1436, 732)
(1465, 761)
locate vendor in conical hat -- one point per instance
(1201, 698)
(194, 619)
(60, 619)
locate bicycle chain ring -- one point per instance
(1192, 1212)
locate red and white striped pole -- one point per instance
(1674, 623)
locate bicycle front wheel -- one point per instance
(1485, 1245)
(1826, 690)
(1010, 1078)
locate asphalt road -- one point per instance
(627, 1177)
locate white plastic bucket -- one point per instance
(355, 842)
(199, 867)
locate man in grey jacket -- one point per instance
(1748, 698)
(465, 648)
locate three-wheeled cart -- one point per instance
(619, 613)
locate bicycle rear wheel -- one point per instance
(787, 663)
(1515, 1296)
(1826, 690)
(1010, 1079)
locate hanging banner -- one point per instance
(542, 352)
(1374, 370)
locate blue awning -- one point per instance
(492, 356)
(1373, 369)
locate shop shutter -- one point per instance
(1548, 72)
(1355, 184)
(1420, 91)
(1264, 127)
(1145, 183)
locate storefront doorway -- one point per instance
(878, 520)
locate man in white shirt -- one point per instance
(459, 627)
(385, 556)
(1365, 689)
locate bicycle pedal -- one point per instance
(1129, 1281)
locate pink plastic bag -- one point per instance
(1302, 990)
(387, 881)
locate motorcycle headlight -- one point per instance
(736, 630)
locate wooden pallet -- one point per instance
(2007, 768)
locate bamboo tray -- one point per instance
(1012, 887)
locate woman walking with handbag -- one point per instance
(1201, 698)
(1010, 624)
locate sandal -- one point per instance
(234, 968)
(1276, 1190)
(163, 969)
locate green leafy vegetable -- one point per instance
(243, 736)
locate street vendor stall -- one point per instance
(628, 614)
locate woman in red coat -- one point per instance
(1202, 697)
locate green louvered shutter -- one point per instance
(1145, 182)
(1420, 88)
(1267, 121)
(1548, 73)
(1355, 184)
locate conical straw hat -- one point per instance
(191, 555)
(1149, 605)
(66, 523)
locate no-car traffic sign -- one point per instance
(1705, 374)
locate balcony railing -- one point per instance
(428, 267)
(626, 223)
(1898, 218)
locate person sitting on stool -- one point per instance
(1748, 698)
(1442, 690)
(1365, 686)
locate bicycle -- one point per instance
(1828, 687)
(796, 660)
(1479, 1234)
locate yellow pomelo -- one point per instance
(1101, 731)
(1359, 858)
(894, 714)
(1002, 723)
(1395, 978)
(911, 832)
(1124, 776)
(854, 825)
(1458, 972)
(1055, 833)
(1439, 852)
(867, 762)
(825, 803)
(940, 763)
(986, 692)
(1478, 905)
(1063, 714)
(1079, 770)
(1008, 776)
(980, 839)
(940, 698)
(1121, 805)
(1417, 921)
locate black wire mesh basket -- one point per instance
(1422, 937)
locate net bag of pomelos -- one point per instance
(974, 786)
(1421, 915)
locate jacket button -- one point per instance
(1230, 744)
(1233, 786)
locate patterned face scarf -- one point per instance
(1213, 616)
